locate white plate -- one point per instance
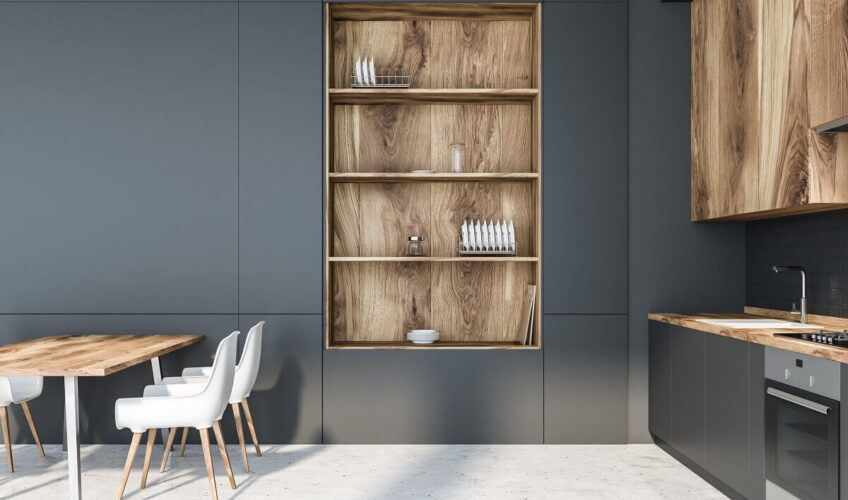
(423, 172)
(424, 341)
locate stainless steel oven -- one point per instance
(802, 427)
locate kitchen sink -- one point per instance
(757, 323)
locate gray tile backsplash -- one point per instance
(818, 242)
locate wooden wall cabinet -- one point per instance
(475, 79)
(764, 74)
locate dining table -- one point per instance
(74, 356)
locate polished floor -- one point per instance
(632, 472)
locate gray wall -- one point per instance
(675, 265)
(162, 171)
(818, 242)
(152, 177)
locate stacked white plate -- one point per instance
(422, 336)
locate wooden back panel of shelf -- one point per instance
(456, 47)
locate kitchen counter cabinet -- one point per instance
(687, 393)
(706, 405)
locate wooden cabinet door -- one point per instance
(725, 121)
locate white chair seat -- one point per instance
(162, 390)
(19, 389)
(197, 371)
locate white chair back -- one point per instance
(215, 396)
(248, 367)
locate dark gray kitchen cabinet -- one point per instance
(756, 421)
(119, 154)
(726, 410)
(584, 150)
(687, 393)
(585, 379)
(659, 380)
(280, 157)
(449, 396)
(707, 402)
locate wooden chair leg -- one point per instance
(148, 453)
(222, 447)
(128, 466)
(250, 427)
(240, 432)
(183, 442)
(207, 455)
(168, 447)
(7, 438)
(31, 422)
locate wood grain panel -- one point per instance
(381, 138)
(392, 45)
(389, 214)
(784, 119)
(496, 137)
(479, 301)
(387, 300)
(480, 54)
(457, 201)
(828, 97)
(725, 156)
(345, 217)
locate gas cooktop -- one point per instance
(838, 339)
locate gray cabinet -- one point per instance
(585, 379)
(584, 150)
(280, 157)
(659, 380)
(687, 393)
(726, 411)
(707, 402)
(118, 144)
(408, 396)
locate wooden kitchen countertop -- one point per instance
(765, 336)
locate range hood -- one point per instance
(835, 127)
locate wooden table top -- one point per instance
(86, 355)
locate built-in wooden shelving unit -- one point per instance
(475, 78)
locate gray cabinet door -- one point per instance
(280, 152)
(687, 392)
(118, 144)
(756, 421)
(726, 411)
(584, 150)
(659, 380)
(408, 396)
(585, 379)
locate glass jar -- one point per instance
(457, 152)
(416, 246)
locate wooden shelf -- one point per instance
(434, 259)
(434, 177)
(430, 96)
(375, 137)
(435, 345)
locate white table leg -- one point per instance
(157, 379)
(72, 431)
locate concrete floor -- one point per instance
(630, 472)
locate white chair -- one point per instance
(199, 409)
(245, 378)
(18, 390)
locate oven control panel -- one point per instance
(817, 375)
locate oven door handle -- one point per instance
(798, 400)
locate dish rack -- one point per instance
(381, 81)
(488, 252)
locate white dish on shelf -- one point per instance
(422, 336)
(422, 172)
